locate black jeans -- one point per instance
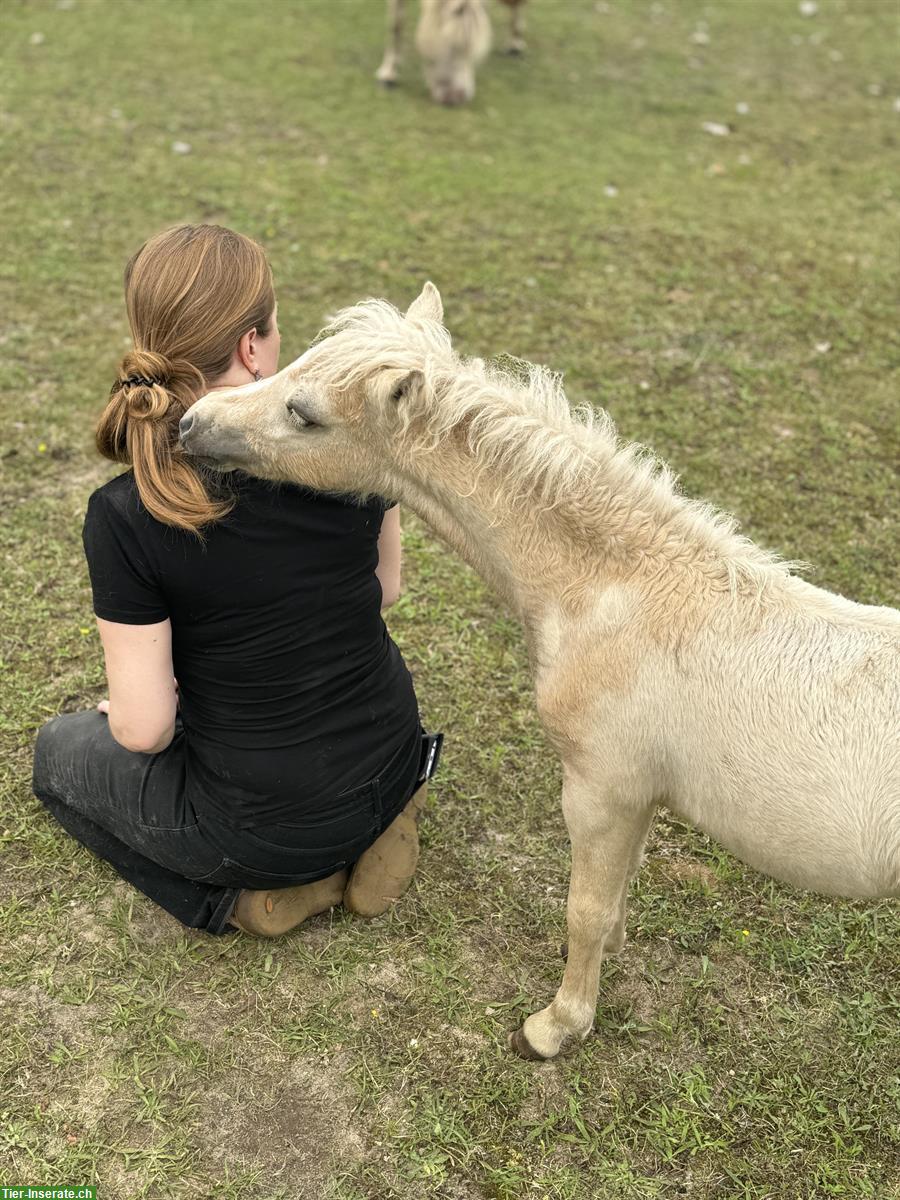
(132, 810)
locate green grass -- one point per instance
(733, 304)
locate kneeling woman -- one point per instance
(285, 770)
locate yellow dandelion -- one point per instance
(42, 447)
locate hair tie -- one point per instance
(135, 381)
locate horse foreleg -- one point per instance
(387, 73)
(516, 44)
(607, 835)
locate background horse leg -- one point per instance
(388, 71)
(516, 43)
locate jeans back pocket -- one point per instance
(350, 818)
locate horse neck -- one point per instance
(537, 550)
(549, 510)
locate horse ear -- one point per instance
(427, 306)
(407, 388)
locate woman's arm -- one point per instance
(388, 569)
(142, 696)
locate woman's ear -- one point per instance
(246, 351)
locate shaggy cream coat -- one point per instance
(675, 663)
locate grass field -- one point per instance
(731, 299)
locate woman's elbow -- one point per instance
(143, 740)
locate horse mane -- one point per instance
(515, 415)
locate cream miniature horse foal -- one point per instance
(675, 663)
(452, 38)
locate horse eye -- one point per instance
(298, 415)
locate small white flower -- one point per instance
(610, 190)
(181, 147)
(37, 39)
(823, 347)
(742, 107)
(808, 8)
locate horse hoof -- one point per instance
(520, 1045)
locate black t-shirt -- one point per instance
(291, 689)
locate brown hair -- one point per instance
(191, 293)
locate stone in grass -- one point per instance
(716, 128)
(808, 8)
(181, 147)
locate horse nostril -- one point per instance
(184, 425)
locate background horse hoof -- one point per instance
(520, 1044)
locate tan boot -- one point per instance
(270, 913)
(386, 869)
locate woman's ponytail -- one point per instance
(139, 427)
(191, 293)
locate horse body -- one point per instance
(675, 662)
(452, 37)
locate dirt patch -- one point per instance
(52, 1020)
(287, 1118)
(549, 1095)
(79, 1094)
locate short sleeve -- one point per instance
(123, 585)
